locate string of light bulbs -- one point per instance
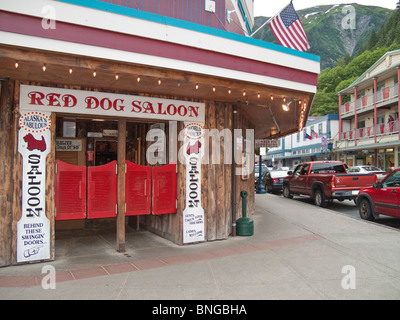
(197, 86)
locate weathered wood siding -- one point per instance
(216, 182)
(217, 193)
(6, 182)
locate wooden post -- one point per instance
(16, 174)
(6, 138)
(121, 156)
(50, 187)
(233, 172)
(228, 172)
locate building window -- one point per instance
(210, 6)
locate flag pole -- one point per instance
(269, 20)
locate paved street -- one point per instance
(349, 208)
(298, 251)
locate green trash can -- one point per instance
(244, 225)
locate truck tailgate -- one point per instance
(352, 181)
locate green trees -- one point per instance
(333, 80)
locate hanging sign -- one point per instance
(68, 145)
(266, 143)
(47, 99)
(193, 215)
(33, 229)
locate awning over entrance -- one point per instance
(116, 48)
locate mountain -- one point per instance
(330, 31)
(348, 69)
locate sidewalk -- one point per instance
(298, 251)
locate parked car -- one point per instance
(324, 181)
(380, 174)
(382, 198)
(273, 180)
(264, 168)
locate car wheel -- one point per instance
(365, 210)
(319, 199)
(286, 192)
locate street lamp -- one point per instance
(260, 187)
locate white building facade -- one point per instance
(311, 144)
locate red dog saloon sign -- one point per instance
(47, 99)
(33, 229)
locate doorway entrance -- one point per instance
(86, 185)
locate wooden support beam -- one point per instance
(16, 174)
(121, 156)
(6, 138)
(50, 187)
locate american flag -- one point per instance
(314, 134)
(289, 30)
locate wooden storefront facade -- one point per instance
(45, 73)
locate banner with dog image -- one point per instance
(33, 229)
(193, 214)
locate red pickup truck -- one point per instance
(325, 181)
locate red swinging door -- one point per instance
(102, 191)
(147, 190)
(137, 189)
(164, 189)
(139, 180)
(70, 191)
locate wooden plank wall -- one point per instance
(6, 139)
(217, 178)
(248, 184)
(16, 174)
(192, 11)
(216, 183)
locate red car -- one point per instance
(382, 198)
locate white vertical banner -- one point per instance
(193, 214)
(33, 229)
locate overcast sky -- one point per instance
(269, 8)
